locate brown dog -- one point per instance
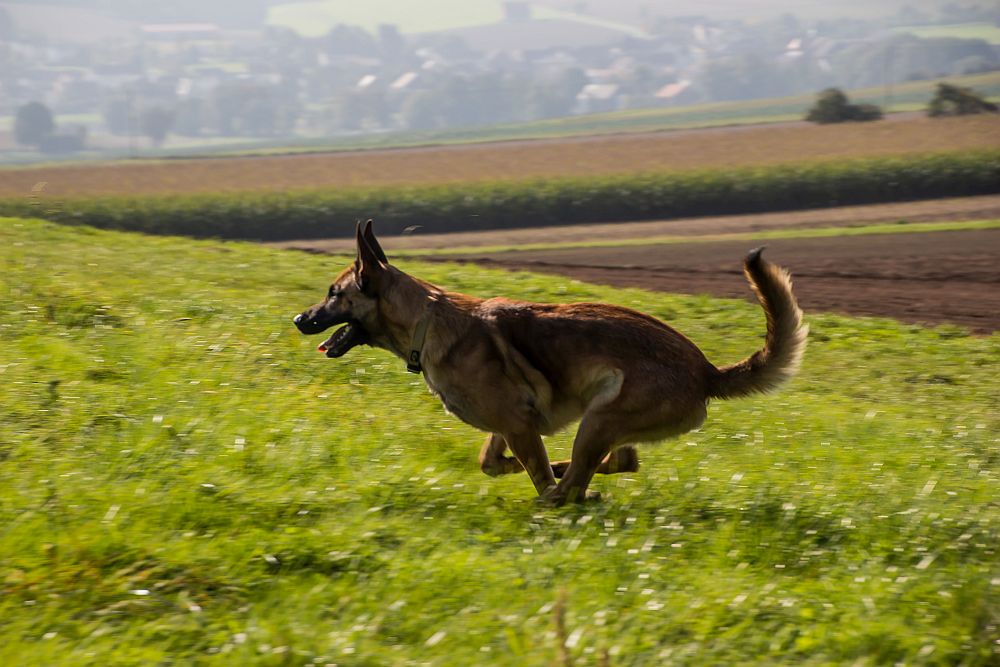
(522, 370)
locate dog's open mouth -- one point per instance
(343, 339)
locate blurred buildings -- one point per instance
(122, 79)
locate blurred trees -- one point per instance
(421, 111)
(906, 57)
(950, 100)
(251, 109)
(33, 123)
(118, 116)
(360, 109)
(35, 126)
(832, 106)
(745, 78)
(64, 142)
(155, 122)
(555, 96)
(345, 40)
(189, 117)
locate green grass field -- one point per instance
(184, 480)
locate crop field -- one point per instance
(463, 207)
(588, 156)
(185, 480)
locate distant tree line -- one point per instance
(242, 110)
(35, 126)
(833, 106)
(748, 74)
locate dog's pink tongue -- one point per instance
(325, 345)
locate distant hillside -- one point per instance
(484, 24)
(66, 24)
(640, 11)
(316, 17)
(229, 13)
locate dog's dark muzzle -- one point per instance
(310, 323)
(342, 340)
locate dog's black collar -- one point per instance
(417, 344)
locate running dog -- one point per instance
(521, 370)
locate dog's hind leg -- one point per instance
(491, 458)
(623, 459)
(493, 462)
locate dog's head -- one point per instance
(352, 300)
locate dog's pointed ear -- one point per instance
(368, 233)
(370, 264)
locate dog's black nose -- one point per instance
(299, 318)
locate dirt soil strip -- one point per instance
(965, 208)
(926, 278)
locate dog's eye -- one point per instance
(333, 293)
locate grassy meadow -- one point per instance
(184, 480)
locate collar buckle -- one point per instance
(413, 364)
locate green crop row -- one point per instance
(499, 205)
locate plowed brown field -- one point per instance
(926, 278)
(586, 156)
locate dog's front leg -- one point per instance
(491, 458)
(531, 454)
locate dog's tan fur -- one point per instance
(522, 370)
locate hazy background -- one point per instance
(140, 77)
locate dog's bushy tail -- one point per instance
(779, 359)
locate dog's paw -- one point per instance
(556, 497)
(551, 497)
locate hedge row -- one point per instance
(498, 205)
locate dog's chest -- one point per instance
(459, 402)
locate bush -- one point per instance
(952, 100)
(832, 106)
(506, 205)
(33, 123)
